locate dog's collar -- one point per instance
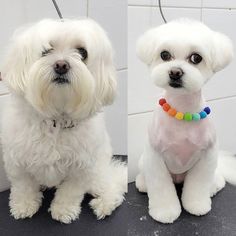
(62, 123)
(187, 116)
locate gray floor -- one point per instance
(41, 224)
(221, 221)
(130, 219)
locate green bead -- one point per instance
(196, 116)
(188, 116)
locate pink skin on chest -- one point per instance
(177, 141)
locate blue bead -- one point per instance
(207, 110)
(203, 114)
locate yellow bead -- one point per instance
(179, 116)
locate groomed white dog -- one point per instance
(182, 55)
(60, 75)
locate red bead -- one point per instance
(162, 101)
(166, 107)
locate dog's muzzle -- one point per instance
(175, 75)
(61, 67)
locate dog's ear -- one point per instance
(106, 82)
(14, 65)
(145, 47)
(103, 68)
(222, 53)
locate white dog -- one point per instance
(60, 74)
(182, 56)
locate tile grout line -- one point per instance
(210, 100)
(141, 112)
(201, 10)
(122, 69)
(3, 94)
(185, 7)
(221, 98)
(87, 8)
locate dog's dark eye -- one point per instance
(195, 58)
(46, 52)
(165, 56)
(83, 52)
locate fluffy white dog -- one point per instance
(182, 56)
(60, 74)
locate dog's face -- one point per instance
(184, 54)
(62, 68)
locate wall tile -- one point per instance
(226, 131)
(137, 137)
(27, 11)
(112, 15)
(36, 10)
(225, 124)
(143, 2)
(141, 92)
(13, 17)
(3, 88)
(4, 184)
(116, 117)
(223, 84)
(172, 3)
(219, 3)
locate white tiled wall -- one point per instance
(142, 95)
(112, 15)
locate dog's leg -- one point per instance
(109, 186)
(140, 179)
(25, 196)
(218, 184)
(140, 183)
(105, 203)
(164, 205)
(196, 196)
(65, 206)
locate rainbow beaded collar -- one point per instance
(184, 116)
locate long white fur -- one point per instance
(164, 160)
(75, 160)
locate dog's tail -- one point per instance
(120, 174)
(227, 166)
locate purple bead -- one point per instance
(207, 110)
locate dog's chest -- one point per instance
(180, 142)
(52, 159)
(50, 156)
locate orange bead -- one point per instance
(172, 112)
(166, 107)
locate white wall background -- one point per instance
(111, 14)
(142, 95)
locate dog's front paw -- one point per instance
(64, 212)
(26, 208)
(165, 214)
(197, 207)
(103, 208)
(140, 183)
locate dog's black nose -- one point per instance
(61, 67)
(176, 73)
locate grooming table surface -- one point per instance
(219, 222)
(130, 219)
